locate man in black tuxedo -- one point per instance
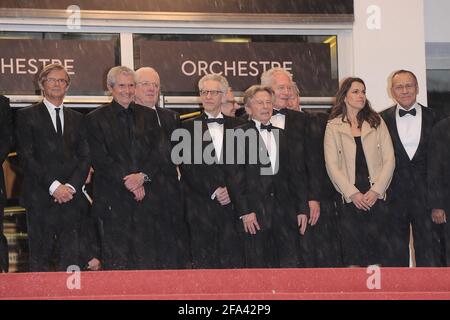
(261, 191)
(211, 218)
(54, 156)
(6, 136)
(294, 125)
(123, 140)
(410, 125)
(439, 183)
(165, 189)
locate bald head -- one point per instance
(147, 87)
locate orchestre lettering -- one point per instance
(33, 65)
(232, 68)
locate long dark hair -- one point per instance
(340, 108)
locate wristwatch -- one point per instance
(146, 178)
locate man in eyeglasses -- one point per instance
(6, 136)
(410, 125)
(212, 221)
(168, 221)
(54, 156)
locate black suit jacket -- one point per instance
(201, 180)
(266, 195)
(6, 136)
(170, 120)
(113, 158)
(439, 167)
(320, 187)
(410, 175)
(45, 157)
(295, 130)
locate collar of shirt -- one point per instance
(415, 106)
(51, 107)
(210, 116)
(278, 114)
(118, 107)
(258, 124)
(51, 110)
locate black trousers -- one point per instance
(215, 243)
(119, 239)
(320, 246)
(274, 246)
(54, 242)
(361, 233)
(403, 212)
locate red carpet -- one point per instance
(260, 284)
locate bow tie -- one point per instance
(403, 113)
(215, 120)
(281, 111)
(268, 127)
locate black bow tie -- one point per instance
(268, 127)
(281, 111)
(215, 120)
(403, 113)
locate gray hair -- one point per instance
(214, 77)
(49, 68)
(402, 71)
(115, 71)
(295, 89)
(147, 69)
(253, 90)
(267, 76)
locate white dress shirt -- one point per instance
(270, 143)
(216, 131)
(409, 129)
(51, 110)
(278, 121)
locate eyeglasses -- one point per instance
(213, 93)
(53, 81)
(148, 84)
(408, 87)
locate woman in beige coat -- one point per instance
(360, 161)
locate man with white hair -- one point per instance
(294, 125)
(166, 191)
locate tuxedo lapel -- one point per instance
(427, 125)
(46, 121)
(392, 125)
